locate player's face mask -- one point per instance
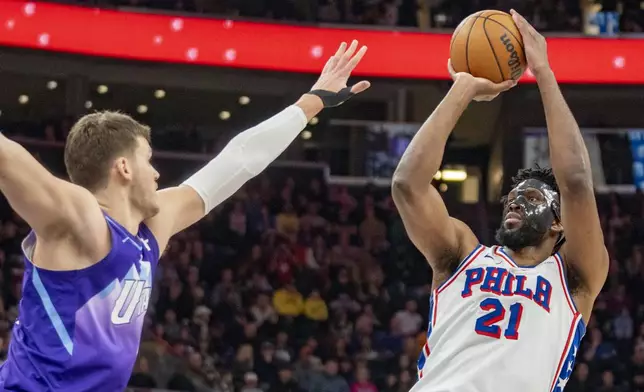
(528, 214)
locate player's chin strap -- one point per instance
(331, 99)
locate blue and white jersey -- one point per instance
(497, 327)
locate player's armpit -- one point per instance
(52, 207)
(441, 238)
(179, 208)
(584, 249)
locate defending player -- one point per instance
(506, 318)
(93, 252)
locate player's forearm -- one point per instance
(250, 152)
(568, 154)
(424, 155)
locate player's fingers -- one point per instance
(524, 26)
(341, 49)
(485, 98)
(348, 54)
(450, 68)
(330, 64)
(505, 86)
(360, 87)
(355, 60)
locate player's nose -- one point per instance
(514, 207)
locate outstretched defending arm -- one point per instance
(584, 248)
(54, 208)
(250, 152)
(442, 239)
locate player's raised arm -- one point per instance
(54, 208)
(584, 248)
(250, 152)
(443, 240)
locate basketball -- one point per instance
(488, 44)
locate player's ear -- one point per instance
(556, 226)
(123, 168)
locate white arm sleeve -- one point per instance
(246, 155)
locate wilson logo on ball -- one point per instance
(514, 62)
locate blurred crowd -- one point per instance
(546, 15)
(288, 287)
(295, 284)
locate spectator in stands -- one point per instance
(263, 310)
(407, 322)
(285, 381)
(267, 366)
(251, 383)
(237, 220)
(637, 368)
(287, 222)
(579, 381)
(288, 301)
(141, 377)
(329, 380)
(315, 308)
(608, 383)
(362, 381)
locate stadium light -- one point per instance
(453, 175)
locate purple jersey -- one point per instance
(80, 330)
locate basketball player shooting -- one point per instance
(95, 244)
(506, 318)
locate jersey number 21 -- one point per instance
(486, 324)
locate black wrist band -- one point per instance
(331, 99)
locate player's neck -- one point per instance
(119, 207)
(529, 256)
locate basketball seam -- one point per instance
(467, 45)
(451, 44)
(493, 51)
(508, 30)
(498, 13)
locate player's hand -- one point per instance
(536, 49)
(484, 89)
(338, 68)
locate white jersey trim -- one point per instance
(464, 264)
(562, 275)
(433, 302)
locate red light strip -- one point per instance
(141, 36)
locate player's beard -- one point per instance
(522, 237)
